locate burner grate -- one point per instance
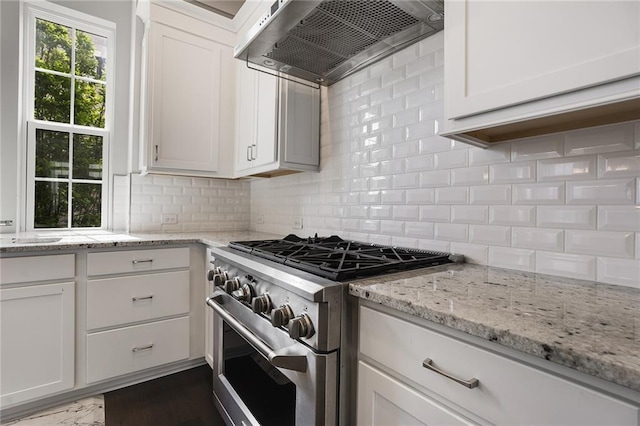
(338, 259)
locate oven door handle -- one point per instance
(289, 358)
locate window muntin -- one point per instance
(68, 119)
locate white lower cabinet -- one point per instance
(37, 326)
(384, 400)
(138, 314)
(126, 350)
(393, 381)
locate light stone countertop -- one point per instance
(588, 326)
(75, 240)
(591, 327)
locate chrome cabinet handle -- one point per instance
(156, 158)
(136, 261)
(471, 383)
(253, 155)
(248, 152)
(290, 358)
(137, 298)
(142, 348)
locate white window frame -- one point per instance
(91, 24)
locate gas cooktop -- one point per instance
(338, 259)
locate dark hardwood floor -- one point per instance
(181, 399)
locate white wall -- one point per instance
(11, 162)
(565, 204)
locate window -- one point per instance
(69, 88)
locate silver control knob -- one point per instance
(232, 285)
(212, 273)
(220, 278)
(301, 327)
(261, 304)
(243, 294)
(281, 316)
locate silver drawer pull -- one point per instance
(471, 383)
(136, 261)
(138, 298)
(142, 348)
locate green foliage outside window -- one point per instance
(78, 99)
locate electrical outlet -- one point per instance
(297, 223)
(260, 220)
(169, 219)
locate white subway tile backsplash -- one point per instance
(512, 173)
(539, 193)
(604, 191)
(406, 149)
(406, 212)
(538, 238)
(381, 154)
(381, 96)
(380, 212)
(490, 194)
(392, 197)
(619, 164)
(408, 85)
(538, 148)
(392, 227)
(490, 235)
(452, 195)
(470, 214)
(434, 144)
(469, 176)
(492, 155)
(419, 163)
(395, 106)
(420, 196)
(570, 217)
(381, 67)
(359, 212)
(619, 218)
(391, 77)
(434, 245)
(435, 213)
(570, 168)
(512, 258)
(601, 243)
(392, 167)
(435, 179)
(380, 182)
(451, 232)
(512, 215)
(618, 271)
(423, 129)
(370, 197)
(566, 265)
(451, 159)
(419, 230)
(599, 139)
(473, 253)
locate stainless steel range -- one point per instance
(280, 328)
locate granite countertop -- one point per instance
(74, 240)
(588, 326)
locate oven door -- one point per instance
(263, 377)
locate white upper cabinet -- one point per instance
(515, 69)
(188, 95)
(278, 125)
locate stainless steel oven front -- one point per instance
(274, 360)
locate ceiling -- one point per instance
(227, 8)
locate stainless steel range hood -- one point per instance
(325, 41)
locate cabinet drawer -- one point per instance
(37, 268)
(119, 262)
(126, 350)
(121, 300)
(509, 392)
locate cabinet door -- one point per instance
(36, 341)
(300, 125)
(506, 53)
(185, 74)
(256, 136)
(383, 400)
